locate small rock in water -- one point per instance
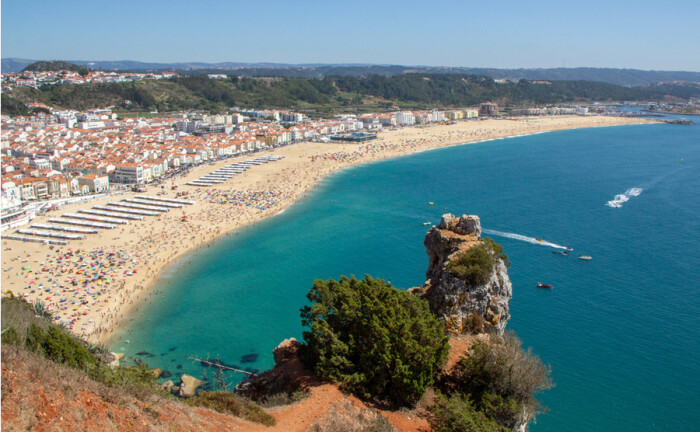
(166, 374)
(249, 358)
(171, 349)
(178, 366)
(142, 353)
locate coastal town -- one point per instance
(36, 79)
(64, 153)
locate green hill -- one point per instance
(56, 65)
(337, 93)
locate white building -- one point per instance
(128, 173)
(95, 183)
(405, 118)
(11, 198)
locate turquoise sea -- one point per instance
(621, 332)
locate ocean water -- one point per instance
(621, 332)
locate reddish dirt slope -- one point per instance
(41, 396)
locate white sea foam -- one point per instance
(634, 192)
(524, 238)
(620, 199)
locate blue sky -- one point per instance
(505, 34)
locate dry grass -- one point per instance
(38, 394)
(346, 417)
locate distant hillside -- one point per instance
(318, 97)
(623, 77)
(14, 65)
(54, 65)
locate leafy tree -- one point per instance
(13, 107)
(373, 339)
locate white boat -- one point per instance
(585, 257)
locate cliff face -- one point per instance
(460, 305)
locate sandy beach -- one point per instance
(95, 284)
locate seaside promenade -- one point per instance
(104, 278)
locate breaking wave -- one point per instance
(620, 199)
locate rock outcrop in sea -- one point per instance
(455, 301)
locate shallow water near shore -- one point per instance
(620, 331)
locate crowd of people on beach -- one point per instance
(261, 200)
(70, 283)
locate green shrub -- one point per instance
(457, 414)
(58, 346)
(501, 378)
(506, 411)
(496, 250)
(373, 339)
(31, 326)
(475, 265)
(10, 336)
(229, 403)
(122, 376)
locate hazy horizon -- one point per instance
(542, 34)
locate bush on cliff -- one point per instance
(59, 347)
(501, 379)
(475, 265)
(457, 414)
(31, 328)
(373, 339)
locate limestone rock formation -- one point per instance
(452, 299)
(188, 385)
(286, 350)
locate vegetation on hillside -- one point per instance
(458, 414)
(497, 380)
(374, 340)
(13, 107)
(475, 265)
(336, 93)
(56, 65)
(30, 328)
(229, 403)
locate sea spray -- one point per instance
(620, 199)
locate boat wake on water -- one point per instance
(526, 239)
(623, 198)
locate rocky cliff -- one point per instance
(463, 305)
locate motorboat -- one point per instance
(585, 257)
(562, 253)
(541, 285)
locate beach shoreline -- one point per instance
(141, 252)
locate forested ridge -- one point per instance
(339, 93)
